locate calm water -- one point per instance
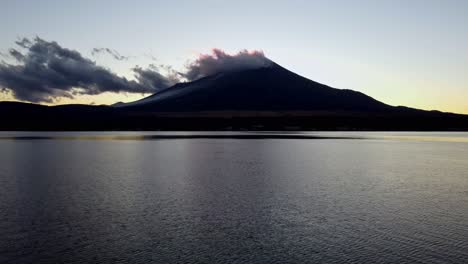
(233, 198)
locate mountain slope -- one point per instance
(265, 89)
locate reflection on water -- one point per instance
(167, 197)
(160, 135)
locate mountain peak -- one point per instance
(266, 88)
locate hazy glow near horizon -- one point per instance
(412, 53)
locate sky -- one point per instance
(412, 53)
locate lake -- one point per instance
(225, 197)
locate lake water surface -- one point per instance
(222, 197)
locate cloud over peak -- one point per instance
(219, 61)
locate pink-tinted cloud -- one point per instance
(219, 61)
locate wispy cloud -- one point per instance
(113, 53)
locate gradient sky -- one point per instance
(412, 53)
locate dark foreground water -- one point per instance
(233, 198)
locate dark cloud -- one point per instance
(24, 43)
(116, 55)
(220, 61)
(12, 54)
(16, 54)
(43, 71)
(46, 71)
(151, 77)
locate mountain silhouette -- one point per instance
(271, 88)
(265, 98)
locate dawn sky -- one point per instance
(412, 53)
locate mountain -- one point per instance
(270, 88)
(266, 98)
